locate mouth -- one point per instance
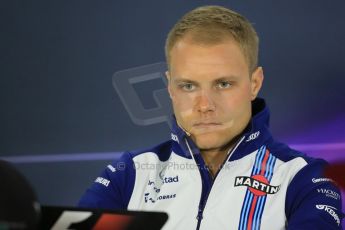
(206, 125)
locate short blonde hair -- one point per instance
(211, 25)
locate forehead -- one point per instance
(188, 58)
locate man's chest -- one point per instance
(242, 194)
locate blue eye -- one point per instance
(187, 86)
(223, 85)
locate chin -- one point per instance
(209, 142)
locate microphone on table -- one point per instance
(19, 208)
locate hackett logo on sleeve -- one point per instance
(257, 184)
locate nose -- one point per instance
(205, 103)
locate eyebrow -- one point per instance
(224, 78)
(180, 80)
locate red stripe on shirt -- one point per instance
(251, 214)
(264, 162)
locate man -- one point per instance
(222, 169)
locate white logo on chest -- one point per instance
(253, 136)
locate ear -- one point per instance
(167, 74)
(257, 79)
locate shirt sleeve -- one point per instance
(112, 189)
(313, 201)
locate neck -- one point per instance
(214, 158)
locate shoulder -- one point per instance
(296, 159)
(113, 188)
(301, 167)
(284, 153)
(308, 189)
(162, 151)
